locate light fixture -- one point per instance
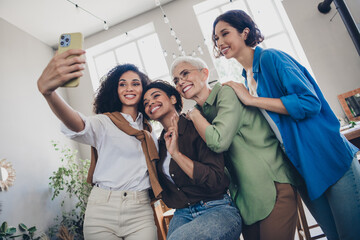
(166, 20)
(106, 26)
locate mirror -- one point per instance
(350, 102)
(7, 175)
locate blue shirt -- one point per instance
(311, 131)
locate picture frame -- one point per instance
(350, 103)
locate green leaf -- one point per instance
(32, 229)
(23, 227)
(26, 237)
(10, 231)
(3, 227)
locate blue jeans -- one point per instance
(218, 219)
(338, 210)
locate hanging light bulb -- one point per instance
(165, 53)
(180, 48)
(172, 32)
(177, 40)
(183, 53)
(106, 26)
(157, 2)
(166, 20)
(200, 50)
(173, 55)
(193, 54)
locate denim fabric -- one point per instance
(338, 210)
(215, 220)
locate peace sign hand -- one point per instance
(171, 136)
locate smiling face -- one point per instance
(189, 80)
(158, 104)
(130, 89)
(229, 41)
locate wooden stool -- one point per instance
(302, 225)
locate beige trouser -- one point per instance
(114, 215)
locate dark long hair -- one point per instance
(239, 20)
(168, 89)
(107, 98)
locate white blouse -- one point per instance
(121, 162)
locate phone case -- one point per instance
(70, 41)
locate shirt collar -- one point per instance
(128, 117)
(256, 63)
(212, 96)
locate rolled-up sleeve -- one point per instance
(298, 94)
(220, 134)
(93, 127)
(301, 100)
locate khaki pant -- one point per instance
(281, 223)
(114, 215)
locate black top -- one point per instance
(210, 181)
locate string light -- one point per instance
(106, 26)
(173, 33)
(166, 20)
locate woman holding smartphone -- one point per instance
(119, 205)
(297, 111)
(191, 175)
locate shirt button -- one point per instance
(125, 194)
(188, 203)
(178, 189)
(172, 174)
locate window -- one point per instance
(140, 46)
(271, 19)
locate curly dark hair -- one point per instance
(107, 98)
(168, 89)
(239, 20)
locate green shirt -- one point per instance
(253, 155)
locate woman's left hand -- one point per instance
(171, 136)
(241, 91)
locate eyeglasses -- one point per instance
(184, 74)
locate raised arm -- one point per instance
(171, 140)
(270, 104)
(205, 167)
(220, 133)
(60, 70)
(297, 96)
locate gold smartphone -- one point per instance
(70, 41)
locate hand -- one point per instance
(192, 113)
(171, 136)
(60, 70)
(241, 91)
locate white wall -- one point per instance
(26, 129)
(328, 47)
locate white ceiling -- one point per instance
(47, 19)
